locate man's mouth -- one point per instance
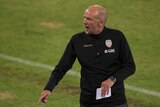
(86, 27)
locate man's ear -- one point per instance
(101, 23)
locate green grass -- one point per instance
(22, 35)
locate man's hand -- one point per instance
(44, 96)
(105, 85)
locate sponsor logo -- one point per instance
(108, 43)
(109, 51)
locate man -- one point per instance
(105, 59)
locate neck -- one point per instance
(99, 30)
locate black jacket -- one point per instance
(101, 56)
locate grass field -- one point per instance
(39, 31)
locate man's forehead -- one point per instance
(91, 11)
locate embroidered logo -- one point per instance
(108, 43)
(88, 45)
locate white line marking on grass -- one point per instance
(35, 64)
(73, 73)
(142, 90)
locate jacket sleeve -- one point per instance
(63, 66)
(126, 59)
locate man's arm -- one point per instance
(60, 70)
(128, 67)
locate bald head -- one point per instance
(95, 17)
(98, 11)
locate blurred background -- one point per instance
(34, 34)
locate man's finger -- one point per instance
(42, 98)
(103, 91)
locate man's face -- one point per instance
(91, 23)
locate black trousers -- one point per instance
(123, 105)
